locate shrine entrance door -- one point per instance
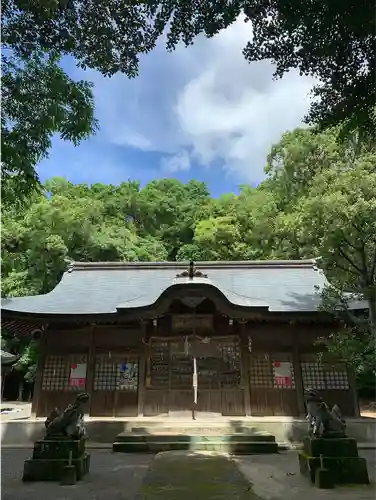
(169, 379)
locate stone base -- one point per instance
(51, 456)
(323, 479)
(59, 448)
(69, 476)
(344, 470)
(47, 469)
(330, 447)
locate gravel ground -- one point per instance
(112, 477)
(277, 477)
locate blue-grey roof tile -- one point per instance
(102, 288)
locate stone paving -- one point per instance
(112, 477)
(277, 477)
(187, 475)
(122, 477)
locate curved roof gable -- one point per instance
(103, 288)
(233, 298)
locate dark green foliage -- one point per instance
(332, 41)
(366, 383)
(38, 100)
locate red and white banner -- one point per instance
(282, 373)
(77, 375)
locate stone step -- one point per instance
(194, 424)
(198, 430)
(129, 437)
(165, 444)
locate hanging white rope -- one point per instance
(249, 344)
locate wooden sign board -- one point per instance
(190, 321)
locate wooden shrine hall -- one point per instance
(158, 339)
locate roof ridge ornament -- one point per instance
(191, 272)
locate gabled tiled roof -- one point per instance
(103, 288)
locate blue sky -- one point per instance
(202, 113)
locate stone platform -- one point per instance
(243, 442)
(51, 456)
(103, 430)
(333, 461)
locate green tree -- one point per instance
(338, 217)
(324, 192)
(294, 162)
(333, 42)
(168, 211)
(38, 100)
(39, 239)
(28, 352)
(219, 238)
(335, 221)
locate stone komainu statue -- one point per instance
(70, 423)
(323, 421)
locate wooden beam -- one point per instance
(90, 366)
(35, 405)
(142, 372)
(298, 372)
(245, 369)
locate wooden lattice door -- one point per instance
(330, 379)
(115, 386)
(57, 387)
(272, 393)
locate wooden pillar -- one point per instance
(245, 369)
(35, 404)
(90, 367)
(142, 371)
(353, 391)
(298, 371)
(3, 375)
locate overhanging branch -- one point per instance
(351, 262)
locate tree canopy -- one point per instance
(38, 100)
(332, 41)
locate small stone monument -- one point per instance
(62, 447)
(329, 456)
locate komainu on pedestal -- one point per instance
(329, 456)
(62, 451)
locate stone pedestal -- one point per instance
(340, 460)
(51, 455)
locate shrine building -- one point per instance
(160, 339)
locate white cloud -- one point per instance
(203, 104)
(179, 162)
